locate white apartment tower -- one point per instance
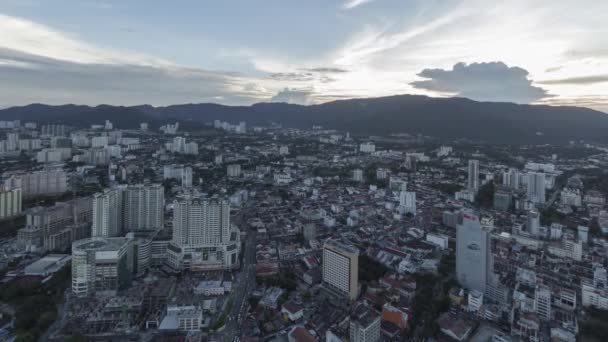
(144, 207)
(536, 187)
(203, 238)
(407, 200)
(108, 213)
(473, 175)
(234, 170)
(10, 202)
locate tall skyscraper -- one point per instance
(133, 207)
(536, 187)
(341, 268)
(473, 175)
(144, 207)
(472, 253)
(108, 212)
(202, 236)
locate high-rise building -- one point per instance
(533, 224)
(39, 183)
(473, 175)
(101, 266)
(10, 202)
(367, 147)
(144, 207)
(203, 238)
(358, 175)
(108, 212)
(542, 302)
(182, 173)
(234, 170)
(55, 228)
(381, 173)
(511, 178)
(472, 253)
(536, 187)
(364, 325)
(407, 200)
(341, 268)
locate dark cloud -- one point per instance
(578, 80)
(30, 78)
(494, 81)
(293, 76)
(308, 74)
(554, 69)
(294, 96)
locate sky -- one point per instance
(239, 52)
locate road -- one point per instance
(243, 284)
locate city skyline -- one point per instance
(93, 52)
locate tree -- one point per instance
(485, 195)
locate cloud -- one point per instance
(494, 81)
(293, 76)
(578, 80)
(350, 4)
(28, 78)
(39, 64)
(326, 70)
(294, 96)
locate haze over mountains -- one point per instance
(446, 118)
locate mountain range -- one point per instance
(444, 118)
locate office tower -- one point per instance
(473, 175)
(10, 202)
(533, 224)
(202, 236)
(536, 187)
(542, 302)
(101, 266)
(144, 207)
(234, 170)
(341, 268)
(143, 126)
(358, 175)
(407, 200)
(472, 253)
(364, 325)
(108, 212)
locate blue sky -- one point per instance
(241, 52)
